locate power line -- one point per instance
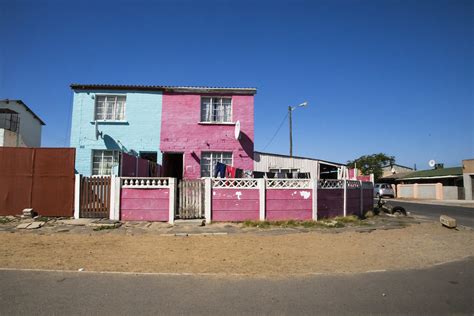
(274, 135)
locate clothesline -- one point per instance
(225, 171)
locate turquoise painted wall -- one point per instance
(139, 132)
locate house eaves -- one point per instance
(167, 89)
(26, 108)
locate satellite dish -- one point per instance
(97, 133)
(237, 130)
(432, 163)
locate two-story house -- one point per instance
(19, 125)
(187, 130)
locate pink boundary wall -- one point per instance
(181, 131)
(231, 205)
(144, 204)
(287, 204)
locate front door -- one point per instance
(173, 165)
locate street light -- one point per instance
(291, 109)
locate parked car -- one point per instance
(383, 189)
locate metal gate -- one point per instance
(95, 197)
(191, 199)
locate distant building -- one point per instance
(392, 169)
(19, 125)
(468, 177)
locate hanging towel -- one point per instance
(239, 173)
(230, 172)
(289, 175)
(258, 174)
(219, 170)
(270, 175)
(247, 174)
(280, 175)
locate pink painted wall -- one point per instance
(234, 205)
(286, 204)
(144, 204)
(181, 131)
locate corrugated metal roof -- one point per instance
(27, 109)
(189, 89)
(434, 173)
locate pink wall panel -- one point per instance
(235, 204)
(287, 204)
(181, 131)
(144, 204)
(225, 216)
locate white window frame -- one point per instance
(214, 158)
(209, 120)
(115, 161)
(115, 117)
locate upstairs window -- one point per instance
(110, 107)
(216, 110)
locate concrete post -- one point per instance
(345, 196)
(415, 190)
(439, 191)
(261, 190)
(172, 201)
(314, 187)
(115, 190)
(361, 198)
(77, 195)
(208, 199)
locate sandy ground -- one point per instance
(248, 254)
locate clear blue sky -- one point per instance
(380, 76)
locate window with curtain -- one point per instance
(210, 159)
(103, 161)
(216, 110)
(110, 107)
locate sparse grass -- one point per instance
(5, 220)
(104, 227)
(42, 219)
(336, 222)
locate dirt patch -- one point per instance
(300, 253)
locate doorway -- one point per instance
(173, 165)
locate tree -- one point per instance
(368, 164)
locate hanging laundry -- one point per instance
(230, 172)
(247, 174)
(270, 175)
(239, 173)
(289, 175)
(304, 175)
(280, 175)
(258, 174)
(219, 170)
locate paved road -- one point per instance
(463, 215)
(441, 289)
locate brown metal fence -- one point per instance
(95, 197)
(38, 178)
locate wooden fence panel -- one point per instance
(95, 197)
(191, 199)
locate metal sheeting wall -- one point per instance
(264, 162)
(38, 178)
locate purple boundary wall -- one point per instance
(144, 204)
(330, 203)
(288, 204)
(235, 205)
(353, 202)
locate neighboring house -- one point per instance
(19, 125)
(445, 176)
(392, 169)
(186, 129)
(468, 177)
(318, 169)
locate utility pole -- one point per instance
(290, 109)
